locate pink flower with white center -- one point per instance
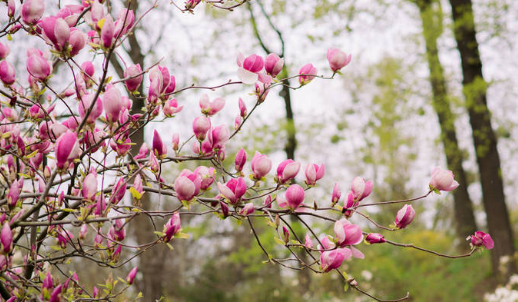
(273, 64)
(443, 180)
(481, 238)
(307, 74)
(113, 104)
(405, 216)
(287, 170)
(261, 165)
(250, 68)
(32, 11)
(337, 59)
(233, 190)
(330, 260)
(347, 233)
(172, 227)
(209, 107)
(361, 188)
(171, 107)
(240, 160)
(134, 72)
(314, 173)
(67, 150)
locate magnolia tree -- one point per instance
(71, 188)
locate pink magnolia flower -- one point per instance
(118, 191)
(6, 238)
(11, 8)
(314, 173)
(287, 170)
(307, 74)
(159, 148)
(77, 41)
(135, 72)
(211, 107)
(125, 21)
(337, 59)
(7, 73)
(405, 216)
(14, 193)
(361, 188)
(261, 165)
(172, 227)
(176, 141)
(131, 276)
(113, 104)
(219, 137)
(90, 185)
(349, 204)
(137, 184)
(171, 107)
(67, 150)
(242, 108)
(86, 103)
(347, 233)
(191, 4)
(83, 231)
(250, 68)
(373, 238)
(56, 30)
(337, 193)
(4, 51)
(240, 160)
(200, 126)
(442, 180)
(207, 176)
(294, 196)
(285, 234)
(39, 68)
(308, 243)
(273, 64)
(187, 185)
(247, 209)
(32, 11)
(108, 32)
(330, 260)
(481, 238)
(233, 190)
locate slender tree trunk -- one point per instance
(485, 141)
(150, 263)
(432, 28)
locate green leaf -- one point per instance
(182, 235)
(136, 194)
(279, 240)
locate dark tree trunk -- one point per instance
(485, 141)
(465, 224)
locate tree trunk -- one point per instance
(485, 141)
(151, 262)
(465, 224)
